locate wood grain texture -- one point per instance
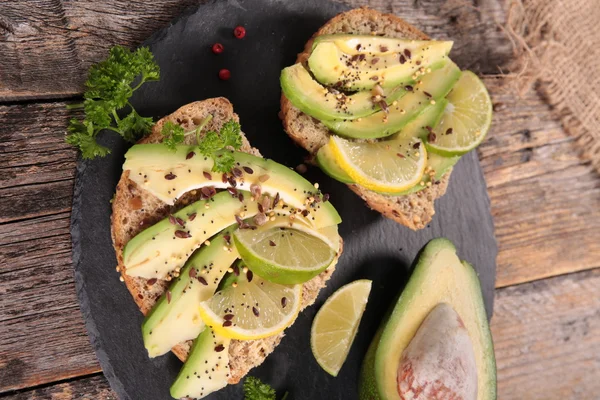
(88, 388)
(48, 45)
(547, 338)
(545, 200)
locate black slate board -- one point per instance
(375, 247)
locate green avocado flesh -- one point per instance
(439, 277)
(313, 99)
(175, 317)
(363, 44)
(169, 174)
(160, 249)
(207, 368)
(332, 66)
(326, 161)
(435, 85)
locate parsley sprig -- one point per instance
(215, 145)
(110, 85)
(255, 389)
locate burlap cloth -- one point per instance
(558, 45)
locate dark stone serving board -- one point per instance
(375, 247)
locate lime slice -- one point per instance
(465, 120)
(252, 308)
(336, 323)
(391, 166)
(284, 255)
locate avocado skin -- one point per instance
(369, 388)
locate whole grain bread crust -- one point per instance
(415, 210)
(134, 209)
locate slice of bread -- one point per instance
(135, 209)
(415, 210)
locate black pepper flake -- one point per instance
(190, 155)
(255, 311)
(408, 88)
(207, 175)
(219, 348)
(272, 243)
(192, 216)
(431, 137)
(202, 281)
(151, 281)
(248, 170)
(283, 302)
(449, 131)
(170, 176)
(168, 297)
(227, 323)
(402, 59)
(407, 53)
(249, 276)
(182, 234)
(417, 145)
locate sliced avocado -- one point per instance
(369, 44)
(327, 103)
(169, 174)
(331, 66)
(326, 161)
(439, 277)
(206, 369)
(434, 87)
(165, 246)
(175, 317)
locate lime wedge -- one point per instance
(335, 325)
(466, 119)
(252, 308)
(284, 255)
(390, 166)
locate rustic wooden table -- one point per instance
(545, 201)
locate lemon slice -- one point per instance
(285, 255)
(390, 166)
(335, 325)
(252, 308)
(466, 119)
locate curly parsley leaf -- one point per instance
(109, 87)
(217, 145)
(173, 134)
(254, 389)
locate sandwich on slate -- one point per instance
(211, 242)
(383, 109)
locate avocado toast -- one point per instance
(370, 98)
(137, 211)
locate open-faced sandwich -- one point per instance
(383, 108)
(220, 248)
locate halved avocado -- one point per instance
(328, 103)
(331, 66)
(169, 174)
(439, 277)
(206, 369)
(175, 318)
(434, 87)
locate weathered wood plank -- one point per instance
(48, 45)
(547, 338)
(88, 388)
(545, 199)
